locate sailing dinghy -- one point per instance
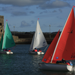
(38, 40)
(61, 47)
(7, 41)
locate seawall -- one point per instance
(26, 37)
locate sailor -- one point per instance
(35, 50)
(71, 63)
(40, 50)
(9, 50)
(63, 61)
(5, 50)
(68, 63)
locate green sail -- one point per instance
(1, 42)
(8, 40)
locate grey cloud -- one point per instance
(27, 8)
(6, 9)
(32, 12)
(37, 7)
(55, 4)
(60, 10)
(43, 12)
(17, 13)
(32, 22)
(22, 2)
(24, 24)
(54, 11)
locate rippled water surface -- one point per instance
(22, 63)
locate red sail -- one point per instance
(66, 42)
(50, 50)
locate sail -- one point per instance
(64, 47)
(8, 39)
(50, 50)
(1, 42)
(38, 40)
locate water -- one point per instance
(22, 63)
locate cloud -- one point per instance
(60, 10)
(32, 22)
(6, 9)
(43, 12)
(54, 11)
(19, 13)
(55, 4)
(14, 11)
(32, 12)
(22, 2)
(24, 24)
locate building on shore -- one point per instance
(1, 25)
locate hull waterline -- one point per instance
(56, 67)
(36, 53)
(5, 52)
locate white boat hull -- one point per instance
(9, 52)
(5, 52)
(36, 53)
(56, 67)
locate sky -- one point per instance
(22, 15)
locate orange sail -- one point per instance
(65, 47)
(50, 50)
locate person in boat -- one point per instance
(68, 63)
(5, 50)
(62, 61)
(40, 50)
(35, 50)
(9, 50)
(71, 63)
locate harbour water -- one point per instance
(22, 63)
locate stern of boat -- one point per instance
(7, 52)
(40, 53)
(70, 68)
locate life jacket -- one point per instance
(9, 50)
(68, 63)
(35, 50)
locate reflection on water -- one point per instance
(56, 73)
(22, 63)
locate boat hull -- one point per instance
(5, 52)
(55, 67)
(36, 53)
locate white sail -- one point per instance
(38, 40)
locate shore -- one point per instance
(26, 37)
